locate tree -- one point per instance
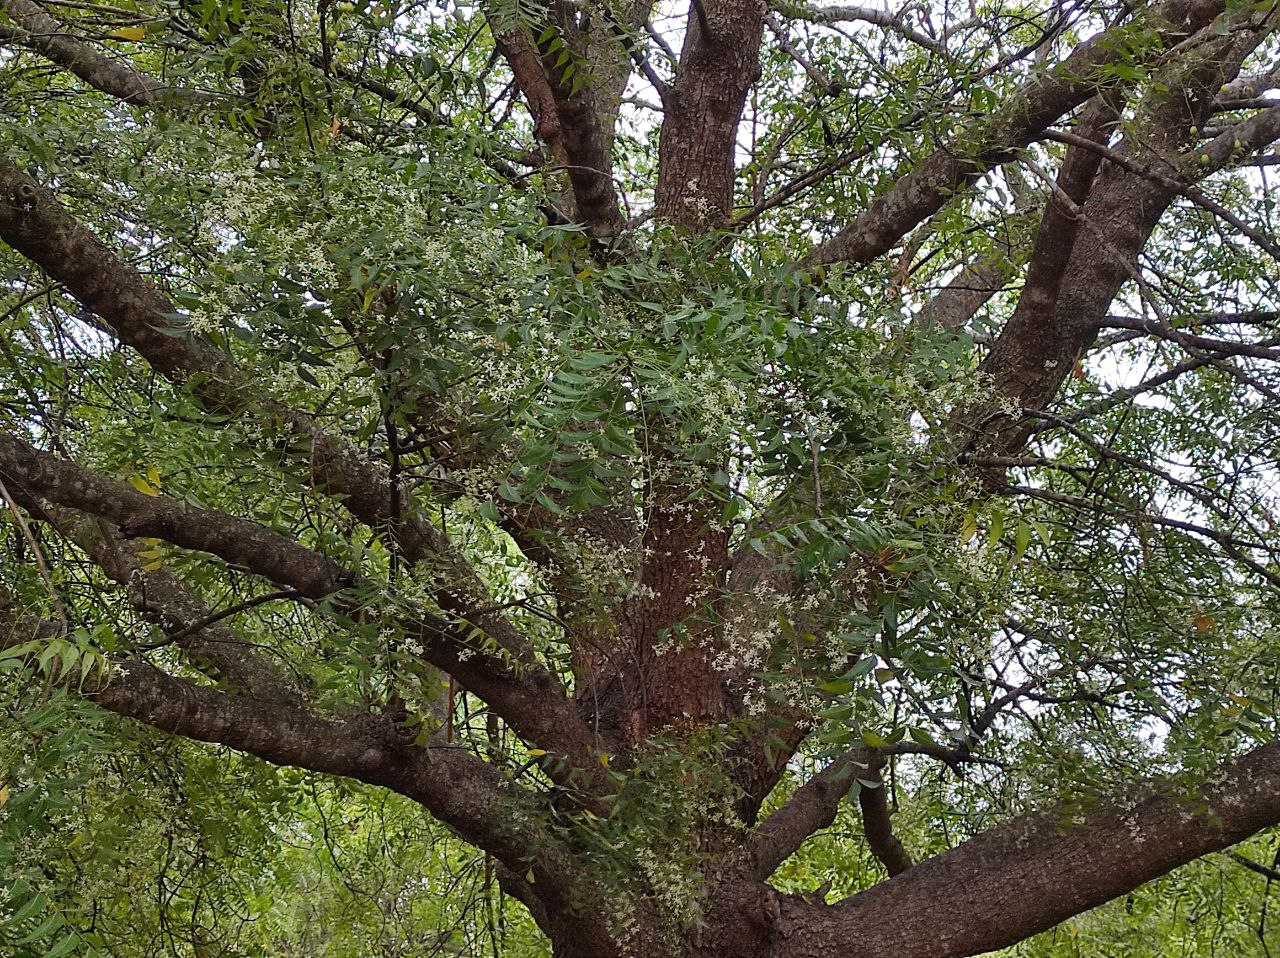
(629, 454)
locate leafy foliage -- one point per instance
(346, 200)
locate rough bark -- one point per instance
(1048, 97)
(236, 541)
(667, 679)
(40, 32)
(953, 306)
(718, 64)
(1086, 254)
(1022, 878)
(994, 890)
(572, 76)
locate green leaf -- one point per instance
(1022, 540)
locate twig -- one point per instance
(226, 613)
(21, 520)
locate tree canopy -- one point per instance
(709, 480)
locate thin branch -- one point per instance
(872, 15)
(37, 553)
(1221, 347)
(216, 617)
(1270, 874)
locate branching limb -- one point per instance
(814, 806)
(872, 15)
(1039, 347)
(33, 222)
(1024, 877)
(236, 541)
(456, 787)
(913, 198)
(572, 116)
(162, 597)
(38, 31)
(1191, 192)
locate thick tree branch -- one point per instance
(1049, 96)
(873, 801)
(684, 548)
(236, 541)
(812, 808)
(953, 306)
(1040, 345)
(814, 805)
(1194, 194)
(514, 682)
(461, 790)
(40, 32)
(1060, 226)
(161, 597)
(456, 787)
(1236, 142)
(571, 96)
(35, 224)
(1022, 878)
(524, 692)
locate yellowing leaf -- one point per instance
(4, 796)
(153, 476)
(143, 486)
(604, 759)
(128, 33)
(536, 752)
